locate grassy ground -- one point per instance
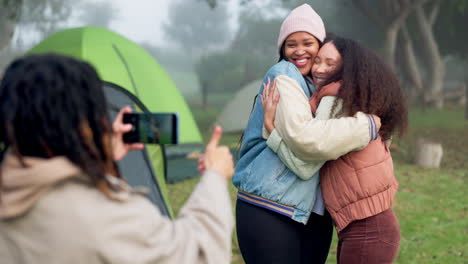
(431, 203)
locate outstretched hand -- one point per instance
(270, 102)
(217, 158)
(120, 148)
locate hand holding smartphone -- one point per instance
(152, 128)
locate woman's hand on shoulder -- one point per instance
(270, 102)
(119, 147)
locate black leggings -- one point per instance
(267, 237)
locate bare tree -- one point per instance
(41, 15)
(434, 62)
(389, 15)
(10, 12)
(46, 16)
(410, 66)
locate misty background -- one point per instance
(212, 47)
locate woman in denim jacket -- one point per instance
(358, 188)
(280, 217)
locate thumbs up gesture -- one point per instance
(217, 158)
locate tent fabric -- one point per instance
(137, 166)
(236, 114)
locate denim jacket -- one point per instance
(260, 176)
(264, 180)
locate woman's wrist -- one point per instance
(269, 126)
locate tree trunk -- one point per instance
(436, 67)
(391, 34)
(428, 154)
(390, 16)
(10, 11)
(410, 65)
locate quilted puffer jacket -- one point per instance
(359, 184)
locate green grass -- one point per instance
(450, 117)
(431, 204)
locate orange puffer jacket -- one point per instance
(359, 184)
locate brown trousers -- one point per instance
(373, 240)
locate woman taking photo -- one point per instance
(359, 187)
(62, 199)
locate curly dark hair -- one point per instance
(53, 105)
(369, 86)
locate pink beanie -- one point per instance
(302, 18)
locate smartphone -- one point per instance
(152, 128)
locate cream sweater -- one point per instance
(51, 214)
(304, 170)
(309, 140)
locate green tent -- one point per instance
(131, 76)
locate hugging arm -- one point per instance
(304, 170)
(311, 138)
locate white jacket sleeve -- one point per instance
(304, 170)
(201, 234)
(310, 138)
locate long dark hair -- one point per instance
(53, 105)
(369, 86)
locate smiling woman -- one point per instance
(326, 63)
(359, 187)
(286, 212)
(300, 48)
(300, 38)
